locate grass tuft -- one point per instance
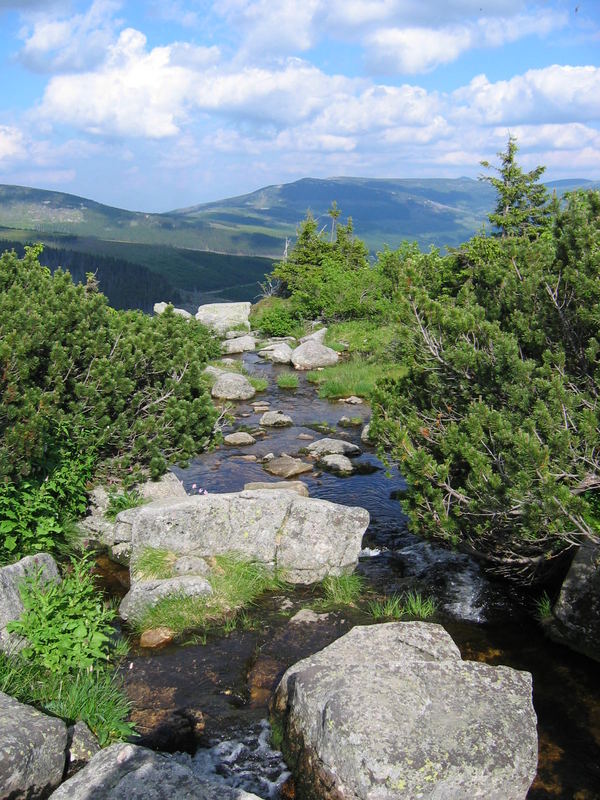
(351, 377)
(287, 381)
(341, 590)
(390, 608)
(258, 384)
(543, 607)
(236, 583)
(154, 562)
(411, 604)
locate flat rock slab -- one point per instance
(239, 438)
(232, 386)
(285, 486)
(145, 594)
(33, 750)
(327, 446)
(221, 317)
(11, 606)
(127, 771)
(391, 711)
(287, 467)
(276, 419)
(305, 537)
(312, 355)
(241, 344)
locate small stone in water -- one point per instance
(157, 637)
(306, 437)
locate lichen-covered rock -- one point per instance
(232, 386)
(306, 538)
(191, 565)
(131, 772)
(11, 606)
(312, 355)
(286, 467)
(145, 594)
(286, 486)
(241, 344)
(323, 447)
(82, 746)
(239, 438)
(33, 749)
(391, 711)
(577, 610)
(221, 317)
(276, 419)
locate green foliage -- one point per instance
(411, 604)
(496, 421)
(287, 381)
(522, 203)
(415, 605)
(351, 377)
(236, 583)
(258, 384)
(543, 606)
(126, 386)
(154, 562)
(390, 608)
(341, 590)
(120, 501)
(36, 513)
(67, 624)
(273, 317)
(96, 697)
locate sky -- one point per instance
(163, 104)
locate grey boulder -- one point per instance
(232, 386)
(241, 344)
(577, 610)
(82, 746)
(127, 771)
(32, 750)
(289, 486)
(160, 308)
(220, 317)
(311, 355)
(239, 438)
(323, 447)
(275, 419)
(145, 594)
(341, 465)
(391, 711)
(277, 353)
(11, 606)
(305, 537)
(285, 466)
(316, 336)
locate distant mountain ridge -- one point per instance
(224, 247)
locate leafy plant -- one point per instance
(66, 625)
(120, 501)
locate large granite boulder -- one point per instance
(129, 771)
(241, 344)
(280, 353)
(306, 538)
(577, 611)
(220, 317)
(11, 606)
(232, 386)
(323, 447)
(33, 750)
(391, 711)
(312, 355)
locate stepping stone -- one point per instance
(276, 419)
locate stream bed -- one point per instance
(215, 689)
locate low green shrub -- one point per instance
(120, 501)
(273, 317)
(67, 625)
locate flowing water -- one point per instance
(215, 690)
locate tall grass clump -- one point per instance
(341, 590)
(287, 381)
(154, 562)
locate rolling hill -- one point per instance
(224, 248)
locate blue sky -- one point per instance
(159, 105)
